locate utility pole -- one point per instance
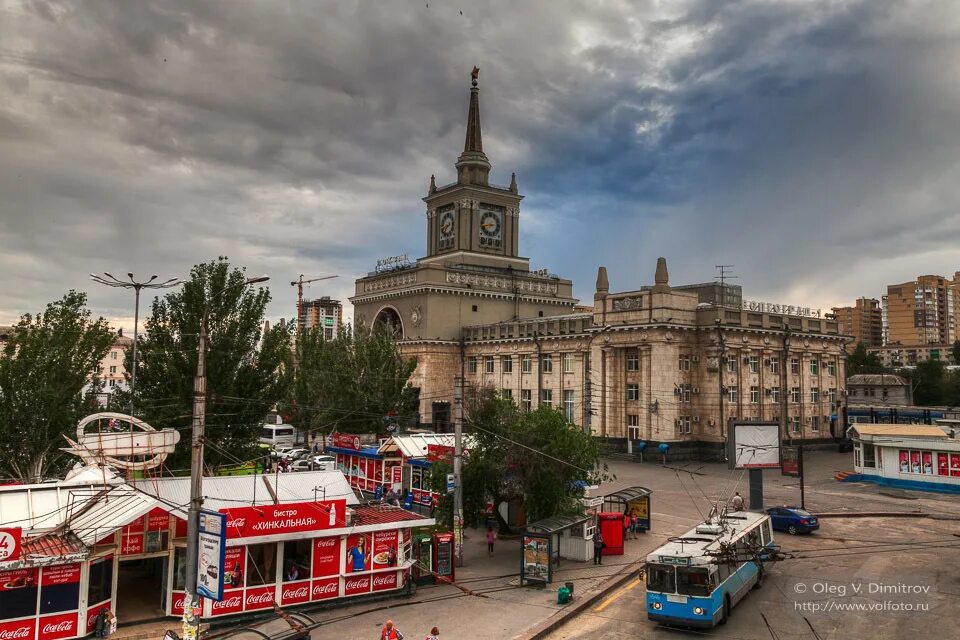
(191, 608)
(458, 462)
(298, 283)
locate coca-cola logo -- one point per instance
(325, 589)
(178, 603)
(65, 625)
(22, 632)
(327, 543)
(260, 598)
(302, 592)
(229, 603)
(379, 581)
(357, 584)
(237, 523)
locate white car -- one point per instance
(322, 465)
(292, 454)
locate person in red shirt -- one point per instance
(390, 632)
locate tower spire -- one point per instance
(473, 167)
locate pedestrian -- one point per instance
(626, 527)
(598, 545)
(491, 536)
(737, 502)
(434, 634)
(390, 632)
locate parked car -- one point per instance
(793, 520)
(302, 465)
(294, 454)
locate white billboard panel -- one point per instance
(756, 445)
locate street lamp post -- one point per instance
(191, 621)
(112, 281)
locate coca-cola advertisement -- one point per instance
(235, 562)
(325, 589)
(18, 593)
(384, 549)
(93, 610)
(232, 603)
(249, 522)
(346, 441)
(326, 557)
(176, 604)
(59, 588)
(131, 544)
(355, 585)
(385, 581)
(18, 630)
(358, 553)
(259, 598)
(59, 626)
(295, 593)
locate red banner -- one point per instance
(134, 527)
(158, 520)
(295, 592)
(384, 549)
(10, 543)
(385, 581)
(355, 585)
(325, 588)
(232, 603)
(358, 553)
(62, 574)
(326, 557)
(59, 626)
(131, 544)
(248, 522)
(346, 441)
(440, 453)
(18, 579)
(260, 598)
(18, 630)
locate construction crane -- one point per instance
(298, 283)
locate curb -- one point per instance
(876, 514)
(565, 615)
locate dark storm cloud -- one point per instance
(812, 144)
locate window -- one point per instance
(633, 392)
(732, 394)
(775, 364)
(419, 479)
(506, 364)
(814, 394)
(693, 581)
(661, 578)
(795, 424)
(526, 364)
(815, 424)
(472, 364)
(546, 363)
(113, 355)
(568, 363)
(775, 395)
(921, 462)
(546, 397)
(814, 367)
(261, 564)
(568, 409)
(100, 584)
(488, 364)
(296, 560)
(754, 395)
(832, 395)
(526, 399)
(831, 368)
(113, 368)
(869, 455)
(731, 364)
(506, 394)
(684, 362)
(795, 394)
(633, 361)
(794, 365)
(947, 464)
(685, 424)
(754, 364)
(633, 426)
(686, 393)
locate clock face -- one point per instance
(490, 224)
(446, 224)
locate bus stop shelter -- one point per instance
(633, 502)
(544, 542)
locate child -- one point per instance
(434, 634)
(491, 536)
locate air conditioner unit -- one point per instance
(676, 390)
(696, 418)
(769, 392)
(696, 390)
(678, 422)
(746, 359)
(695, 359)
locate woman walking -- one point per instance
(491, 536)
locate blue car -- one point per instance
(793, 520)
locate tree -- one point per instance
(248, 367)
(860, 361)
(955, 352)
(49, 370)
(353, 382)
(536, 458)
(929, 380)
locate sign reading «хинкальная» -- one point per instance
(265, 520)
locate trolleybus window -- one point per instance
(693, 581)
(661, 578)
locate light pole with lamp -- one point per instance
(191, 621)
(112, 281)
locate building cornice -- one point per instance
(474, 293)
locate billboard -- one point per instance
(754, 445)
(535, 565)
(212, 555)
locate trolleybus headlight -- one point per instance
(698, 611)
(656, 605)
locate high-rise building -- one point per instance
(322, 312)
(863, 321)
(925, 311)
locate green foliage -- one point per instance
(248, 369)
(862, 362)
(45, 366)
(955, 352)
(352, 382)
(534, 458)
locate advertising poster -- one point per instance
(212, 555)
(59, 626)
(915, 462)
(355, 585)
(10, 543)
(18, 629)
(250, 522)
(954, 464)
(384, 549)
(294, 593)
(385, 581)
(358, 553)
(259, 598)
(18, 593)
(234, 564)
(928, 463)
(131, 544)
(536, 557)
(325, 588)
(640, 509)
(60, 588)
(943, 464)
(326, 557)
(904, 461)
(232, 603)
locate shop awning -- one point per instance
(101, 512)
(556, 524)
(365, 452)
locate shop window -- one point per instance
(60, 588)
(261, 564)
(18, 594)
(296, 560)
(869, 455)
(100, 585)
(948, 464)
(417, 480)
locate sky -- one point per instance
(813, 145)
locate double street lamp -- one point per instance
(191, 622)
(111, 281)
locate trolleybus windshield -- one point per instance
(693, 581)
(661, 578)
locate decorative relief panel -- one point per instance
(627, 304)
(496, 282)
(391, 282)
